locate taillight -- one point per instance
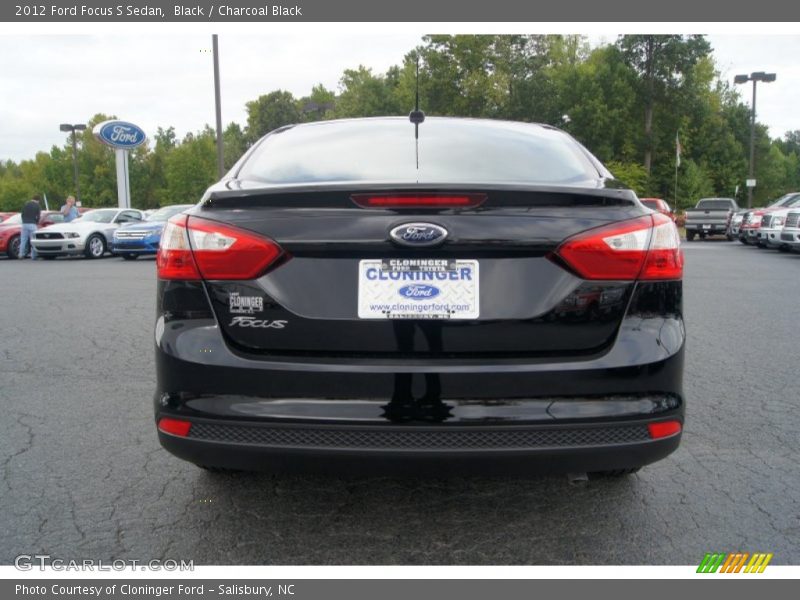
(177, 427)
(193, 248)
(663, 429)
(646, 248)
(418, 200)
(174, 259)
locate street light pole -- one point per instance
(755, 78)
(218, 105)
(75, 167)
(72, 129)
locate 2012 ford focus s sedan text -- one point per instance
(452, 293)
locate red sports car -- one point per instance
(10, 230)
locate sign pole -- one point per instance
(123, 182)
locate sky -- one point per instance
(166, 80)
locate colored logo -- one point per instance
(735, 562)
(119, 134)
(418, 234)
(419, 292)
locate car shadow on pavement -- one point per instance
(319, 519)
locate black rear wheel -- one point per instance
(689, 236)
(13, 247)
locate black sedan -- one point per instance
(454, 293)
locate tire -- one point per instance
(616, 473)
(95, 246)
(13, 247)
(46, 257)
(743, 240)
(730, 237)
(784, 248)
(690, 236)
(130, 256)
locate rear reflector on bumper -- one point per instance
(174, 426)
(664, 429)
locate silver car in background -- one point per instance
(89, 235)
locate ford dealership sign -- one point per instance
(119, 134)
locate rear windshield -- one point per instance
(450, 151)
(715, 204)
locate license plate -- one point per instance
(418, 289)
(706, 226)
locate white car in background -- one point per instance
(89, 235)
(769, 234)
(790, 234)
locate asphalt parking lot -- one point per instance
(83, 475)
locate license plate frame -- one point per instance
(419, 288)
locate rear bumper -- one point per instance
(420, 448)
(284, 413)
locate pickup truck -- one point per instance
(710, 217)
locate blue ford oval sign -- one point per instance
(419, 291)
(119, 134)
(418, 234)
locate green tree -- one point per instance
(631, 174)
(190, 168)
(790, 144)
(661, 62)
(319, 105)
(598, 101)
(366, 95)
(268, 112)
(234, 144)
(693, 183)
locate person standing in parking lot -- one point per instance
(69, 210)
(31, 213)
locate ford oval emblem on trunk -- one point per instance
(418, 234)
